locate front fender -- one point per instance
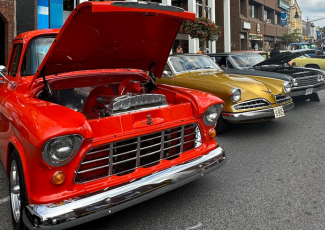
(200, 100)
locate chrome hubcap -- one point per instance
(15, 191)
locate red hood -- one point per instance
(113, 35)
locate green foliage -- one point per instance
(295, 36)
(203, 29)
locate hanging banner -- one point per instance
(284, 19)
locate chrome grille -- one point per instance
(280, 99)
(252, 104)
(123, 157)
(305, 81)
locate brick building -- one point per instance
(16, 16)
(255, 24)
(7, 28)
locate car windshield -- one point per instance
(35, 54)
(186, 63)
(314, 46)
(247, 60)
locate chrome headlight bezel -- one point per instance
(294, 82)
(48, 157)
(287, 87)
(235, 95)
(212, 114)
(320, 78)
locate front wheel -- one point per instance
(221, 125)
(17, 191)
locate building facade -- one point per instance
(7, 28)
(295, 23)
(255, 24)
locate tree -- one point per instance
(293, 37)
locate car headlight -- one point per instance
(295, 82)
(286, 87)
(235, 94)
(320, 78)
(60, 150)
(212, 114)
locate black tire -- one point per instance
(314, 66)
(15, 167)
(221, 125)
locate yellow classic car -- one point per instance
(247, 98)
(308, 62)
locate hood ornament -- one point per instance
(149, 120)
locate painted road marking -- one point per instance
(4, 200)
(196, 226)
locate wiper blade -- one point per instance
(196, 68)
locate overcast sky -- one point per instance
(313, 9)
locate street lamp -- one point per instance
(296, 14)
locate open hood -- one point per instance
(113, 35)
(283, 57)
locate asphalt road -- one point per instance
(274, 178)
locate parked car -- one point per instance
(315, 62)
(247, 99)
(85, 132)
(306, 82)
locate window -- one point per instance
(14, 63)
(167, 69)
(253, 11)
(265, 15)
(243, 7)
(35, 54)
(278, 19)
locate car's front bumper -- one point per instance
(93, 206)
(296, 91)
(255, 114)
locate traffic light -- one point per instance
(305, 37)
(293, 24)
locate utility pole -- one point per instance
(204, 14)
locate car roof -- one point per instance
(237, 53)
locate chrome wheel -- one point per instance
(15, 191)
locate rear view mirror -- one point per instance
(3, 70)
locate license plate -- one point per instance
(278, 112)
(309, 91)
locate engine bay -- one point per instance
(108, 99)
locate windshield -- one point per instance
(247, 60)
(185, 63)
(35, 54)
(314, 46)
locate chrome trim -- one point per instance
(250, 101)
(255, 114)
(281, 99)
(89, 207)
(162, 138)
(303, 90)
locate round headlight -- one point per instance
(320, 78)
(212, 114)
(295, 82)
(286, 87)
(235, 94)
(60, 150)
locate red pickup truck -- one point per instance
(85, 130)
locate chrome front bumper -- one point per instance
(302, 90)
(256, 114)
(93, 206)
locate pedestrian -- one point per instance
(295, 47)
(276, 50)
(320, 51)
(200, 51)
(179, 49)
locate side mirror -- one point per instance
(3, 70)
(165, 73)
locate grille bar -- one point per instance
(123, 157)
(310, 80)
(280, 99)
(252, 104)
